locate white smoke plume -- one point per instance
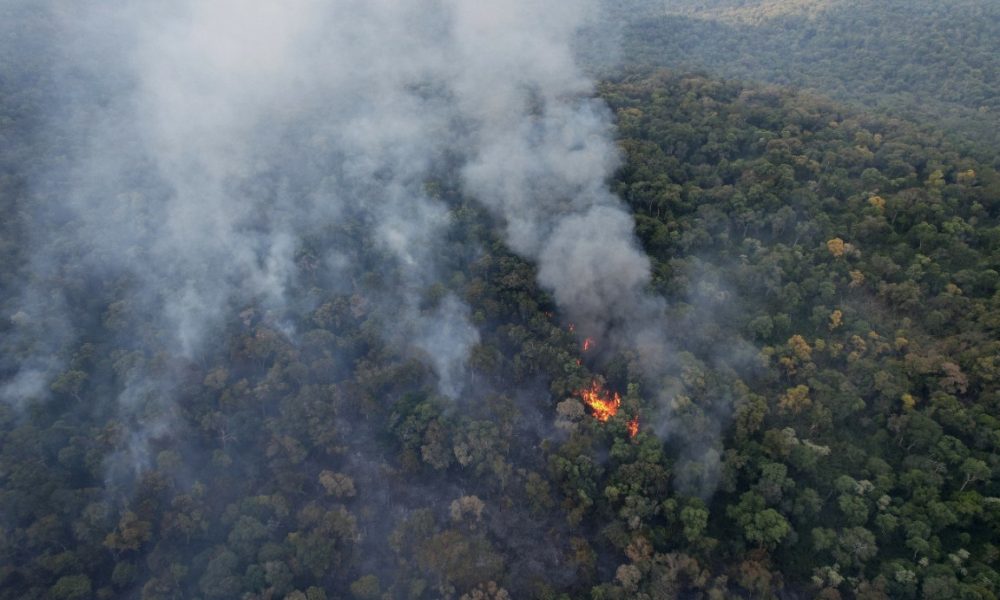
(210, 138)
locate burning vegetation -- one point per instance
(633, 426)
(605, 404)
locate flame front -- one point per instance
(603, 403)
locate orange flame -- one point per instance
(588, 344)
(603, 403)
(633, 426)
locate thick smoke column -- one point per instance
(541, 155)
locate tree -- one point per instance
(71, 587)
(71, 383)
(467, 509)
(974, 470)
(487, 591)
(220, 579)
(130, 534)
(246, 536)
(459, 559)
(694, 519)
(337, 485)
(854, 508)
(768, 528)
(366, 588)
(764, 526)
(795, 399)
(325, 538)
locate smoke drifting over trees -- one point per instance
(341, 299)
(209, 140)
(225, 163)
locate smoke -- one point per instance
(208, 140)
(542, 153)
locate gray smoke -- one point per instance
(542, 153)
(215, 136)
(211, 138)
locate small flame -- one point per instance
(571, 328)
(603, 403)
(588, 344)
(633, 426)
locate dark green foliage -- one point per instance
(850, 247)
(859, 258)
(930, 61)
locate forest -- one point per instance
(932, 63)
(795, 396)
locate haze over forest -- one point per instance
(606, 299)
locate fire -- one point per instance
(633, 426)
(588, 344)
(603, 403)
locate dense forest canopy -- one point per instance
(275, 326)
(929, 61)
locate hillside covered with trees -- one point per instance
(930, 62)
(857, 256)
(825, 422)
